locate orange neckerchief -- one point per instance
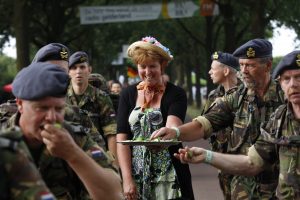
(152, 90)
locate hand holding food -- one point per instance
(191, 155)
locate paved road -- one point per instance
(204, 177)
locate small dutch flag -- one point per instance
(47, 196)
(97, 153)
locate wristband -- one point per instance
(177, 131)
(208, 156)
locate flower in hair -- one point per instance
(154, 41)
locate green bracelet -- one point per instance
(177, 131)
(208, 157)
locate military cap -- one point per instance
(256, 48)
(49, 81)
(78, 57)
(226, 59)
(288, 62)
(52, 51)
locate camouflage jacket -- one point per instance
(72, 114)
(280, 141)
(219, 139)
(98, 81)
(20, 179)
(59, 177)
(212, 96)
(245, 112)
(77, 115)
(99, 107)
(7, 110)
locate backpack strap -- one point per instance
(279, 120)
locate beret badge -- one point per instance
(215, 56)
(250, 52)
(298, 60)
(64, 54)
(83, 59)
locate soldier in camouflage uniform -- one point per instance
(72, 114)
(98, 81)
(19, 183)
(54, 53)
(57, 53)
(95, 102)
(245, 109)
(278, 143)
(72, 165)
(222, 72)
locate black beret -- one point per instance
(257, 48)
(52, 51)
(226, 59)
(288, 62)
(78, 57)
(40, 80)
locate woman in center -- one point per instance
(147, 172)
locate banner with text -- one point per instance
(125, 13)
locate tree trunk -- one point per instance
(229, 27)
(209, 50)
(258, 21)
(21, 29)
(189, 85)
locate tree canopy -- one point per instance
(191, 40)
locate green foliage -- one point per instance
(8, 69)
(191, 40)
(5, 21)
(193, 112)
(288, 14)
(275, 62)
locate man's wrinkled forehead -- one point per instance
(45, 102)
(290, 73)
(249, 61)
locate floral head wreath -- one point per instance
(150, 43)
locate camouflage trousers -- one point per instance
(225, 182)
(247, 188)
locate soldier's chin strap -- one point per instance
(9, 144)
